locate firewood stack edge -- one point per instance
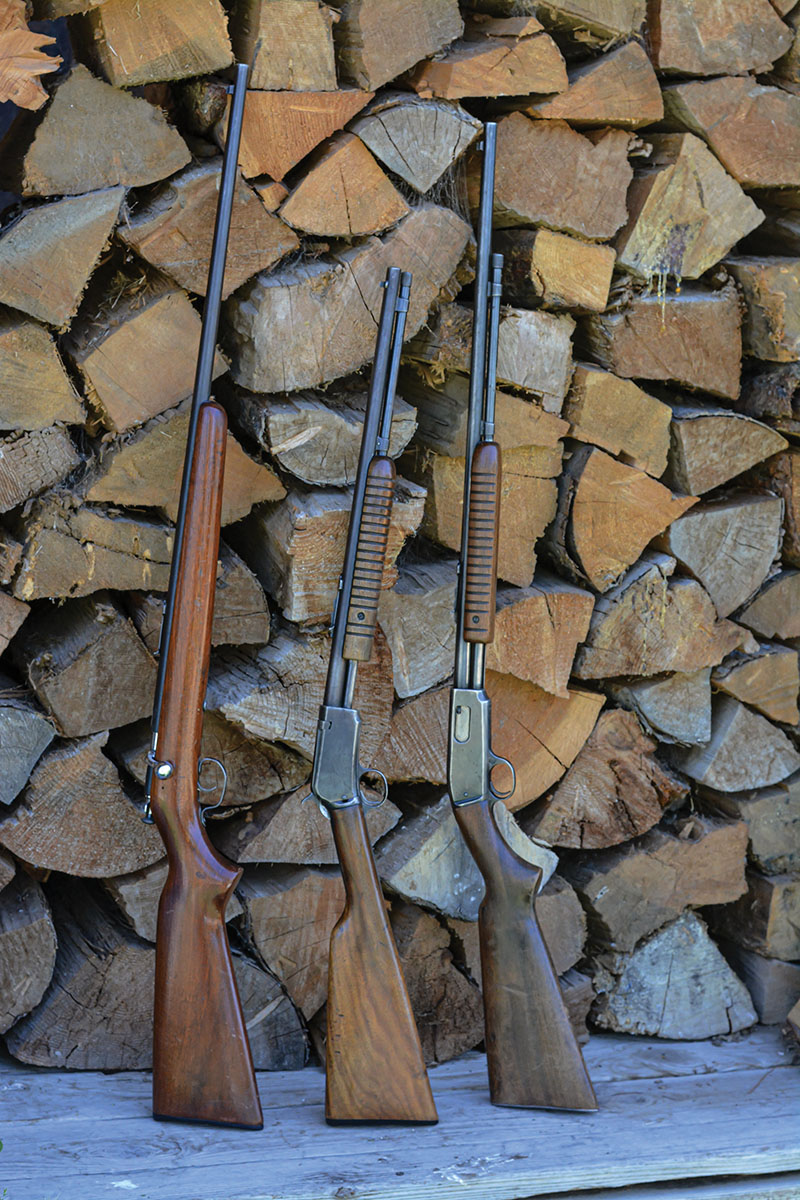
(644, 677)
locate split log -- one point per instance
(745, 751)
(590, 21)
(580, 183)
(766, 919)
(136, 345)
(415, 747)
(619, 88)
(288, 43)
(416, 139)
(686, 212)
(143, 470)
(615, 789)
(24, 57)
(631, 892)
(142, 44)
(781, 474)
(787, 68)
(87, 665)
(694, 39)
(10, 555)
(618, 416)
(768, 394)
(557, 271)
(277, 1038)
(281, 831)
(275, 692)
(63, 8)
(416, 615)
(506, 57)
(270, 193)
(728, 545)
(137, 894)
(676, 985)
(47, 256)
(693, 339)
(344, 193)
(682, 630)
(772, 816)
(768, 681)
(774, 613)
(281, 128)
(13, 613)
(674, 709)
(8, 869)
(596, 541)
(174, 231)
(296, 548)
(771, 288)
(32, 462)
(317, 438)
(113, 138)
(376, 40)
(35, 390)
(709, 446)
(753, 130)
(27, 948)
(75, 817)
(774, 986)
(25, 734)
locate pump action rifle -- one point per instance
(534, 1060)
(375, 1068)
(202, 1066)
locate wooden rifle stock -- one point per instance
(202, 1066)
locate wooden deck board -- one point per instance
(668, 1111)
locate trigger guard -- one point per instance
(496, 761)
(365, 801)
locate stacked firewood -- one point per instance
(644, 677)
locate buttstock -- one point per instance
(480, 586)
(373, 538)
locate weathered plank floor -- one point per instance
(692, 1112)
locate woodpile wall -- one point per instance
(645, 674)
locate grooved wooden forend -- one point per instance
(482, 534)
(370, 560)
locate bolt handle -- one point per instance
(373, 538)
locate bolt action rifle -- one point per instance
(533, 1057)
(202, 1066)
(375, 1068)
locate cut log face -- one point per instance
(8, 869)
(631, 892)
(13, 614)
(376, 40)
(683, 632)
(416, 615)
(175, 230)
(618, 416)
(674, 709)
(46, 258)
(27, 948)
(615, 789)
(768, 681)
(774, 986)
(693, 339)
(113, 138)
(74, 816)
(596, 20)
(619, 88)
(557, 271)
(35, 390)
(772, 816)
(775, 613)
(430, 243)
(766, 919)
(686, 212)
(511, 57)
(32, 462)
(144, 471)
(710, 446)
(728, 545)
(416, 139)
(580, 184)
(344, 193)
(599, 541)
(281, 128)
(696, 39)
(745, 751)
(25, 733)
(782, 475)
(288, 43)
(137, 894)
(753, 130)
(676, 985)
(149, 44)
(771, 288)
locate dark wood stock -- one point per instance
(375, 1068)
(480, 585)
(534, 1059)
(202, 1066)
(373, 537)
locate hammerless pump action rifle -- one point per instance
(202, 1066)
(533, 1057)
(375, 1068)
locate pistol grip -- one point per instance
(480, 585)
(373, 537)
